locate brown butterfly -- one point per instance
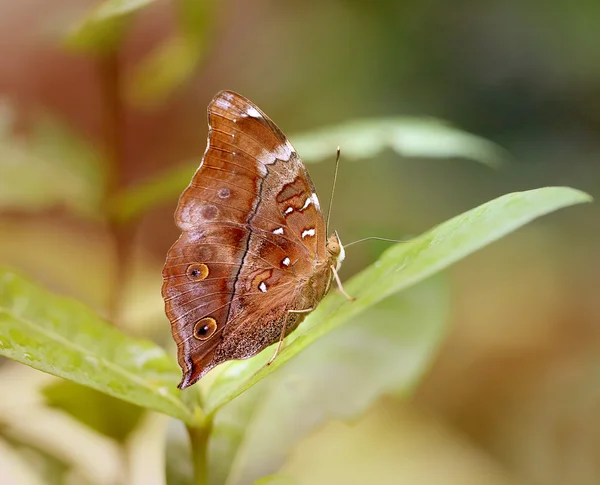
(253, 258)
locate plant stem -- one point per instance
(199, 436)
(113, 132)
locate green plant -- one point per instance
(240, 405)
(63, 337)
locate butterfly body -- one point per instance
(253, 259)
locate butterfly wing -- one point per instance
(252, 236)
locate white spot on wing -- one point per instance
(308, 232)
(279, 230)
(286, 261)
(289, 210)
(251, 111)
(223, 104)
(307, 202)
(282, 152)
(315, 200)
(262, 287)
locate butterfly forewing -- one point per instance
(252, 237)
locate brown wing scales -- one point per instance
(252, 233)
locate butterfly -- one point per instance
(253, 258)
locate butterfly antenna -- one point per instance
(377, 239)
(337, 164)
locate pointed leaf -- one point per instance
(401, 266)
(408, 137)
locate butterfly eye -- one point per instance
(197, 271)
(205, 328)
(333, 248)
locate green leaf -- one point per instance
(62, 337)
(51, 167)
(17, 453)
(179, 468)
(102, 29)
(101, 412)
(230, 427)
(174, 61)
(399, 267)
(358, 139)
(171, 64)
(276, 480)
(339, 377)
(408, 137)
(135, 201)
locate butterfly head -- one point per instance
(335, 250)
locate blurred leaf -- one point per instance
(358, 139)
(33, 465)
(64, 338)
(230, 427)
(7, 118)
(339, 377)
(276, 480)
(175, 61)
(195, 17)
(166, 68)
(134, 202)
(399, 267)
(408, 137)
(52, 166)
(101, 412)
(102, 29)
(75, 159)
(178, 455)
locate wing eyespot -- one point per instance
(205, 328)
(197, 271)
(224, 193)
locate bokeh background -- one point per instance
(513, 395)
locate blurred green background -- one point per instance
(513, 395)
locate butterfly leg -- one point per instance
(282, 336)
(339, 283)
